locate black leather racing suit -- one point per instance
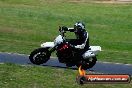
(81, 42)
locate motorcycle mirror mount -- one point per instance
(60, 29)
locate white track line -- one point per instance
(15, 53)
(114, 63)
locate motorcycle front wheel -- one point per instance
(39, 56)
(87, 63)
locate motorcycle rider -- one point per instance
(81, 43)
(82, 38)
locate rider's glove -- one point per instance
(64, 28)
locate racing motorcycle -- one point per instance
(65, 52)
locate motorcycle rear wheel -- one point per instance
(39, 56)
(87, 63)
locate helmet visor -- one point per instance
(77, 29)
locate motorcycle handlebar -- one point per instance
(64, 29)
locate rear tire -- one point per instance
(39, 56)
(88, 63)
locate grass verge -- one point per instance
(16, 76)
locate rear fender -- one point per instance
(95, 49)
(92, 52)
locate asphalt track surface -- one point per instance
(100, 67)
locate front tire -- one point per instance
(39, 56)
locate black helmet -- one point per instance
(79, 27)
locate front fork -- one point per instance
(52, 49)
